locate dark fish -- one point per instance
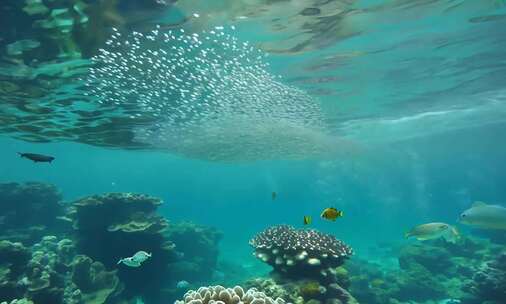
(37, 158)
(307, 220)
(274, 195)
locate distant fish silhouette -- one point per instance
(274, 195)
(37, 158)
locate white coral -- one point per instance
(221, 295)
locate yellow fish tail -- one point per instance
(307, 220)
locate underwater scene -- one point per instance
(253, 151)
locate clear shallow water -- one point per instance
(392, 111)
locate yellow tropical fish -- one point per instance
(331, 214)
(307, 220)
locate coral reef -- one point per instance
(198, 247)
(489, 282)
(30, 211)
(220, 294)
(306, 265)
(303, 291)
(51, 272)
(294, 252)
(114, 225)
(429, 271)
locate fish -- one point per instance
(37, 158)
(432, 231)
(482, 215)
(136, 260)
(141, 256)
(274, 195)
(130, 262)
(182, 284)
(307, 219)
(331, 214)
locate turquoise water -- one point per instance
(391, 111)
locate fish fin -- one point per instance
(478, 204)
(341, 213)
(20, 154)
(120, 261)
(407, 235)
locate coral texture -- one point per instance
(489, 283)
(300, 253)
(50, 272)
(303, 291)
(221, 295)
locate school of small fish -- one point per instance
(209, 93)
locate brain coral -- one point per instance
(221, 295)
(300, 252)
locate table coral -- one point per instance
(300, 253)
(114, 225)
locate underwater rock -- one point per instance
(95, 283)
(489, 282)
(300, 253)
(113, 225)
(29, 211)
(13, 260)
(431, 257)
(199, 246)
(220, 294)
